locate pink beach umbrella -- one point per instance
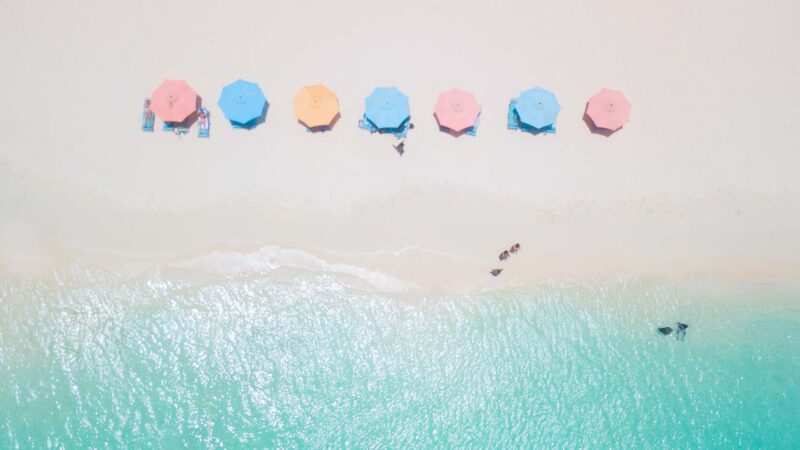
(457, 110)
(608, 109)
(173, 101)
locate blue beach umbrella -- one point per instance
(537, 108)
(243, 103)
(387, 108)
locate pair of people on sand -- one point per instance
(504, 257)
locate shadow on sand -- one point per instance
(594, 129)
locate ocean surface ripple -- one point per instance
(173, 359)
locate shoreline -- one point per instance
(443, 240)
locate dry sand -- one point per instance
(703, 181)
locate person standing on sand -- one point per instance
(505, 255)
(496, 272)
(515, 248)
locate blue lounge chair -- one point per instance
(203, 129)
(365, 124)
(148, 118)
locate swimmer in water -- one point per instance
(681, 333)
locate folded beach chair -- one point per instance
(148, 118)
(513, 117)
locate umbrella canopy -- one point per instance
(457, 110)
(242, 102)
(173, 101)
(387, 108)
(316, 106)
(608, 109)
(537, 108)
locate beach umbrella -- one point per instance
(456, 110)
(387, 108)
(242, 102)
(316, 106)
(174, 101)
(608, 109)
(537, 108)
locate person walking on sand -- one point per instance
(515, 248)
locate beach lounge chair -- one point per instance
(148, 117)
(513, 117)
(203, 124)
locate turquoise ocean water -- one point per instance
(175, 359)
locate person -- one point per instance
(515, 248)
(665, 330)
(401, 147)
(496, 272)
(504, 256)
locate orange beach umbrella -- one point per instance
(316, 106)
(173, 101)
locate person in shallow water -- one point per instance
(681, 333)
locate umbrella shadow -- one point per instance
(449, 131)
(322, 128)
(255, 122)
(595, 129)
(533, 131)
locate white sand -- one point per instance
(702, 181)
